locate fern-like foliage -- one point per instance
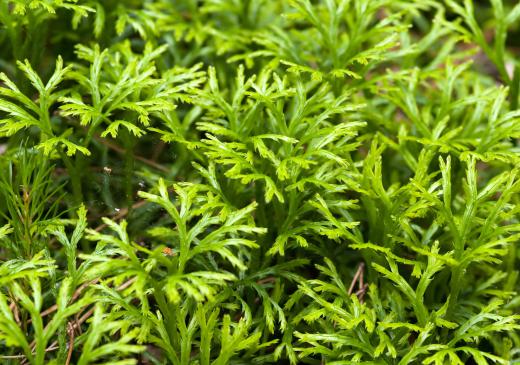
(259, 182)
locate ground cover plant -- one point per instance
(259, 182)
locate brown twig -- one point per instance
(16, 312)
(122, 151)
(126, 284)
(357, 275)
(359, 279)
(75, 324)
(361, 292)
(7, 357)
(269, 279)
(76, 318)
(71, 343)
(73, 298)
(121, 214)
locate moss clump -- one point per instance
(259, 181)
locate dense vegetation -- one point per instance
(259, 181)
